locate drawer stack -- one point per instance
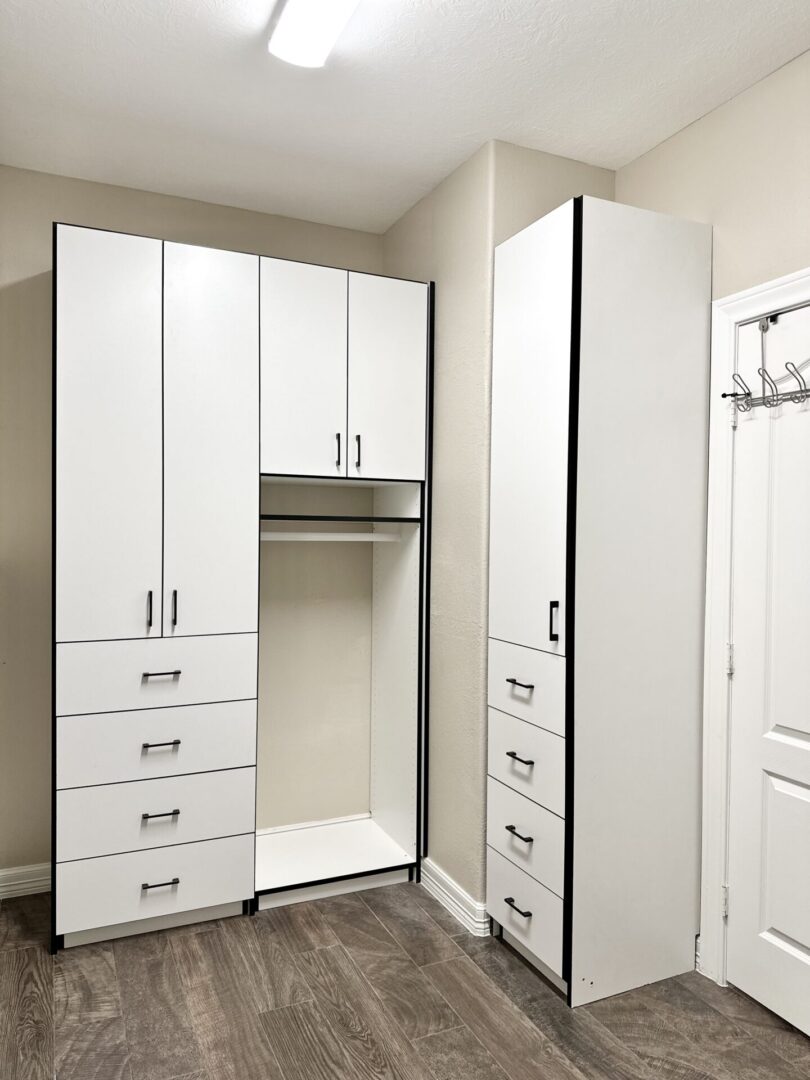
(526, 797)
(155, 776)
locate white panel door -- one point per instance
(388, 323)
(108, 435)
(531, 360)
(211, 440)
(303, 369)
(769, 853)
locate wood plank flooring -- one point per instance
(380, 985)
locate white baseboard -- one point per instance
(25, 880)
(470, 913)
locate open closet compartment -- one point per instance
(341, 682)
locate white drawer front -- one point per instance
(104, 892)
(108, 820)
(512, 744)
(541, 928)
(108, 748)
(541, 698)
(511, 816)
(109, 676)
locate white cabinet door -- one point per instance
(388, 323)
(303, 369)
(108, 425)
(529, 470)
(211, 441)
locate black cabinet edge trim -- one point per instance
(57, 940)
(341, 517)
(570, 587)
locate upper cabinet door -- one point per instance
(211, 441)
(108, 435)
(531, 365)
(388, 324)
(303, 365)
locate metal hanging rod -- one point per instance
(771, 395)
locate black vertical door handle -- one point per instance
(357, 463)
(174, 607)
(149, 610)
(553, 606)
(337, 459)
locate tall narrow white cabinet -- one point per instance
(599, 414)
(205, 401)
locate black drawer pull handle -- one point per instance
(162, 674)
(553, 606)
(168, 813)
(510, 900)
(149, 609)
(174, 607)
(524, 685)
(155, 745)
(337, 436)
(511, 829)
(357, 463)
(523, 760)
(160, 884)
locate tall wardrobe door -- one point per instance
(108, 435)
(303, 369)
(529, 471)
(387, 377)
(211, 438)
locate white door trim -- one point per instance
(784, 292)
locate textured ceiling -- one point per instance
(181, 96)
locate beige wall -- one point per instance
(745, 168)
(449, 237)
(529, 183)
(29, 202)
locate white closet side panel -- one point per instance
(529, 469)
(388, 339)
(640, 558)
(211, 438)
(108, 435)
(303, 369)
(395, 686)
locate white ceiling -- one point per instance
(181, 96)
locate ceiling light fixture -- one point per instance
(307, 30)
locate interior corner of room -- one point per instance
(323, 583)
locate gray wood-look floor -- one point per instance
(381, 984)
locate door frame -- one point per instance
(792, 290)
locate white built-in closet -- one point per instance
(240, 541)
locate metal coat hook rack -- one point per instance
(771, 395)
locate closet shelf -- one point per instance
(371, 518)
(301, 855)
(332, 537)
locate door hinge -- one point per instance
(730, 658)
(724, 900)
